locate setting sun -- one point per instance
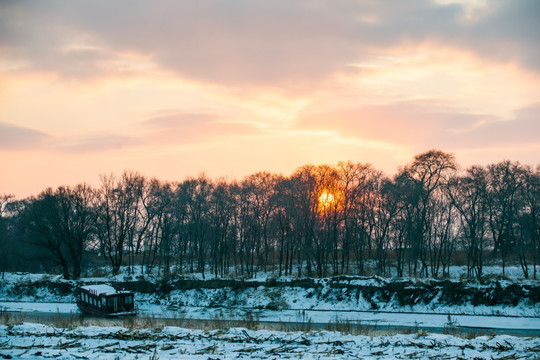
(326, 200)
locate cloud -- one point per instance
(508, 33)
(14, 137)
(172, 129)
(184, 128)
(185, 121)
(245, 43)
(94, 143)
(420, 126)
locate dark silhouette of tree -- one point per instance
(503, 204)
(256, 206)
(78, 207)
(284, 223)
(222, 214)
(118, 215)
(468, 194)
(528, 239)
(157, 227)
(196, 196)
(385, 210)
(59, 224)
(356, 199)
(321, 220)
(306, 205)
(327, 219)
(427, 173)
(7, 217)
(442, 233)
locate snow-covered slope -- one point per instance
(491, 297)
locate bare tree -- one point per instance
(306, 204)
(195, 196)
(328, 219)
(257, 201)
(39, 223)
(503, 200)
(156, 228)
(468, 195)
(356, 199)
(78, 217)
(441, 235)
(119, 205)
(6, 235)
(528, 238)
(385, 210)
(427, 173)
(284, 224)
(60, 224)
(223, 207)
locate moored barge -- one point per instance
(105, 300)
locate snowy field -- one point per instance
(34, 341)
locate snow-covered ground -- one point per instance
(35, 341)
(325, 298)
(327, 294)
(327, 303)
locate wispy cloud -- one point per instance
(14, 137)
(94, 143)
(420, 126)
(174, 129)
(182, 128)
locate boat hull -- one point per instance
(92, 310)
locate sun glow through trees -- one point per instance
(326, 199)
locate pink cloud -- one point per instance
(420, 126)
(14, 137)
(182, 128)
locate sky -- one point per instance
(172, 89)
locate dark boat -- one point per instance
(104, 300)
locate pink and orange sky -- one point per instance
(175, 88)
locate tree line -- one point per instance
(319, 221)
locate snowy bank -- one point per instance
(343, 293)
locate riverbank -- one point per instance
(500, 297)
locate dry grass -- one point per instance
(132, 323)
(352, 327)
(11, 318)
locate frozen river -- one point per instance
(523, 325)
